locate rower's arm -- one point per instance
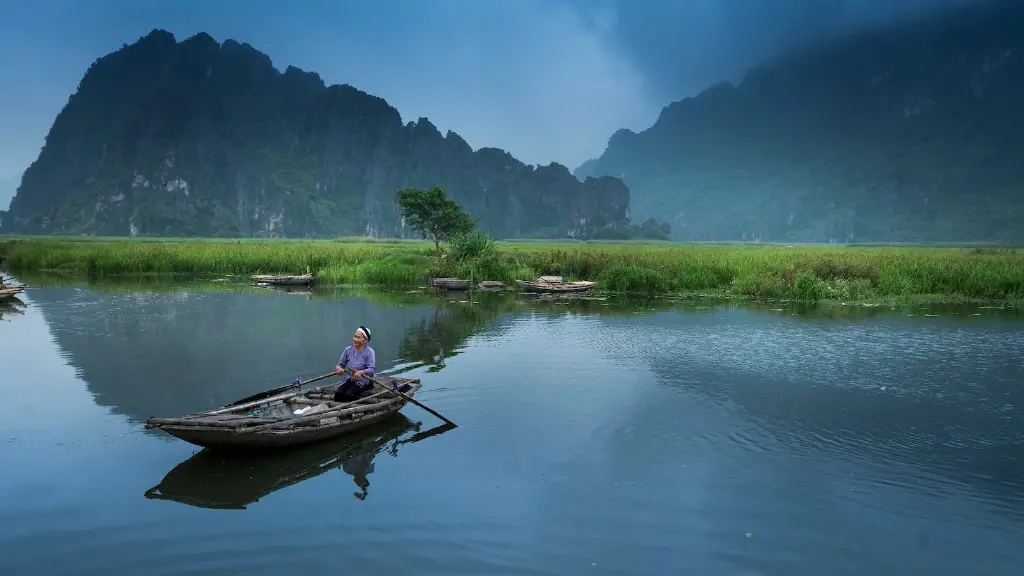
(371, 363)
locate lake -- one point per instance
(595, 437)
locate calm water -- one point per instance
(594, 438)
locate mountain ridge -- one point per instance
(200, 138)
(902, 133)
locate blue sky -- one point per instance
(547, 80)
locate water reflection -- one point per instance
(819, 431)
(11, 307)
(145, 353)
(923, 401)
(145, 347)
(304, 291)
(221, 480)
(816, 312)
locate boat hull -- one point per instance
(544, 288)
(229, 440)
(451, 283)
(288, 419)
(304, 280)
(10, 292)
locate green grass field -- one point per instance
(756, 271)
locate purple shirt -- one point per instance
(364, 360)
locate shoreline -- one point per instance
(834, 274)
(596, 300)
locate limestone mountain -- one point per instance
(910, 133)
(199, 138)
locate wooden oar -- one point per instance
(276, 391)
(394, 388)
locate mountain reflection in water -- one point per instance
(220, 480)
(11, 307)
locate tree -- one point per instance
(433, 214)
(651, 229)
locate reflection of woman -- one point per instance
(361, 358)
(359, 466)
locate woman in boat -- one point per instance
(360, 358)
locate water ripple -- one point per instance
(721, 441)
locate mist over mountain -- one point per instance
(908, 132)
(200, 138)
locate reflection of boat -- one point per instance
(554, 284)
(289, 418)
(228, 481)
(11, 306)
(289, 289)
(283, 280)
(450, 283)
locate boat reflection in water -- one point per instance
(221, 480)
(11, 306)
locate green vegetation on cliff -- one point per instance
(762, 272)
(197, 138)
(910, 134)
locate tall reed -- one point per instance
(810, 273)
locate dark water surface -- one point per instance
(594, 438)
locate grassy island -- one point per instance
(755, 271)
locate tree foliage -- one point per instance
(650, 229)
(431, 213)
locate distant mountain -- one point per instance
(204, 139)
(911, 133)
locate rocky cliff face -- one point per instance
(196, 138)
(905, 134)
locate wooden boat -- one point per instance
(284, 280)
(491, 286)
(9, 291)
(211, 479)
(542, 286)
(450, 283)
(288, 419)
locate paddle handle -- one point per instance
(418, 403)
(261, 396)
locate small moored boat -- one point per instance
(10, 290)
(450, 283)
(283, 279)
(541, 285)
(491, 286)
(290, 418)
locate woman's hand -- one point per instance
(359, 374)
(339, 370)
